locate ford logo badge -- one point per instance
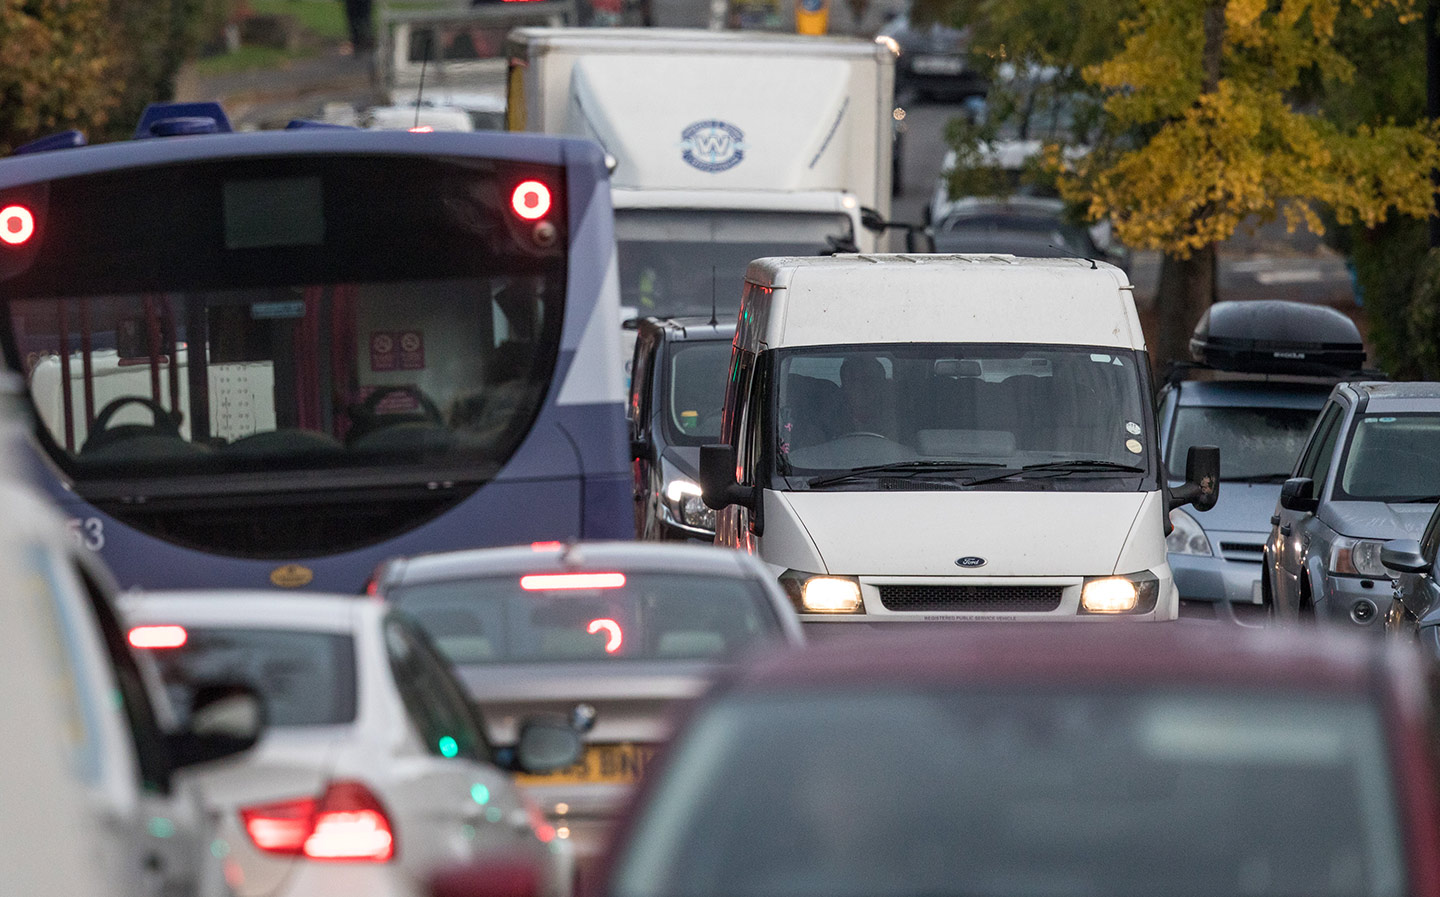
(970, 561)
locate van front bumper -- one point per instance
(890, 600)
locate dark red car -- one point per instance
(1126, 761)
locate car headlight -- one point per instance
(1187, 536)
(1357, 557)
(815, 593)
(1135, 593)
(685, 507)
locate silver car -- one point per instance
(616, 631)
(1369, 473)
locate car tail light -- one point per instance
(549, 582)
(158, 637)
(347, 823)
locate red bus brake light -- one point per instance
(148, 637)
(17, 224)
(531, 200)
(550, 582)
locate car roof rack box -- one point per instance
(1274, 336)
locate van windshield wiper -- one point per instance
(1061, 468)
(1258, 478)
(901, 468)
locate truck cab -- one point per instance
(924, 438)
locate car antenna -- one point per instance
(714, 313)
(424, 62)
(1075, 255)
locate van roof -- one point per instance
(696, 40)
(941, 298)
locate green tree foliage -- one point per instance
(54, 63)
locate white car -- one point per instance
(89, 764)
(374, 770)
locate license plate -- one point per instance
(602, 764)
(938, 65)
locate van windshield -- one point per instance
(1036, 417)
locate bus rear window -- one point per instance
(288, 315)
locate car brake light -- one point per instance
(548, 582)
(347, 823)
(158, 637)
(531, 200)
(17, 224)
(546, 546)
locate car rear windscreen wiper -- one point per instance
(900, 468)
(1062, 468)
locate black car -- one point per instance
(934, 61)
(1019, 225)
(677, 391)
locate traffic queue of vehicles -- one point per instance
(299, 396)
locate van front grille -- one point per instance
(972, 599)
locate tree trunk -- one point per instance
(1187, 289)
(1187, 286)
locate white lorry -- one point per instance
(727, 146)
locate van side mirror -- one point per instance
(1403, 556)
(872, 220)
(1298, 494)
(718, 488)
(225, 719)
(1202, 479)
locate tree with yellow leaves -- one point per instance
(53, 67)
(1209, 85)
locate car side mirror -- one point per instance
(498, 876)
(1202, 479)
(1298, 494)
(225, 719)
(546, 744)
(1403, 556)
(718, 488)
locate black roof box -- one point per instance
(1272, 336)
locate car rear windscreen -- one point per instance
(591, 616)
(304, 678)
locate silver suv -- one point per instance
(1370, 472)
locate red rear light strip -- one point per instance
(550, 582)
(150, 637)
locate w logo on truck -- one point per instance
(712, 146)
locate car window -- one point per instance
(1254, 442)
(696, 399)
(151, 749)
(1321, 447)
(928, 790)
(1392, 457)
(435, 702)
(605, 617)
(304, 678)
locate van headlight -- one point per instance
(1357, 557)
(1134, 593)
(816, 593)
(1187, 536)
(685, 508)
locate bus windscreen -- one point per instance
(286, 326)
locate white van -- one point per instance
(90, 801)
(935, 438)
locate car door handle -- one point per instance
(1274, 519)
(1285, 530)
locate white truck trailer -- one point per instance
(727, 146)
